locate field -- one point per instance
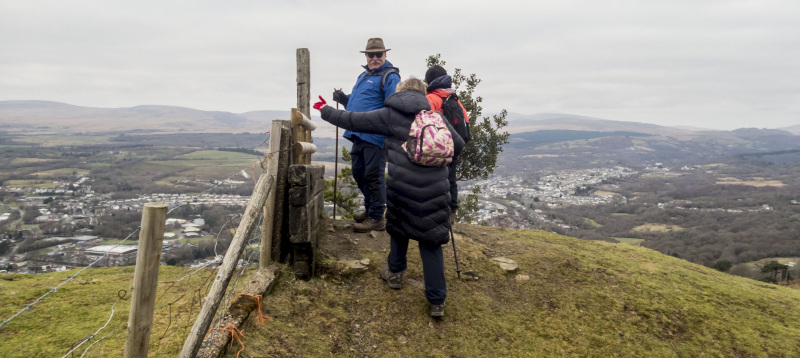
(30, 183)
(656, 228)
(61, 173)
(591, 222)
(196, 240)
(757, 182)
(204, 164)
(629, 241)
(62, 140)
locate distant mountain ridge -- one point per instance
(48, 116)
(519, 123)
(66, 118)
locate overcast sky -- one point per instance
(712, 64)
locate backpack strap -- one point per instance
(383, 78)
(445, 99)
(384, 75)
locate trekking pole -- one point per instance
(335, 166)
(455, 255)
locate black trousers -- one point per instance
(432, 267)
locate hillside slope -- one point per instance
(570, 298)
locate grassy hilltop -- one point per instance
(570, 298)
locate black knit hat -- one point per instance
(434, 72)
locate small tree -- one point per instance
(776, 271)
(479, 158)
(722, 265)
(346, 189)
(31, 213)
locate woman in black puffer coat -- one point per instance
(418, 197)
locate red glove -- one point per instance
(318, 106)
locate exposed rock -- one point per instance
(469, 276)
(415, 283)
(356, 266)
(522, 278)
(341, 225)
(506, 264)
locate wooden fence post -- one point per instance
(265, 255)
(145, 280)
(304, 95)
(203, 322)
(280, 231)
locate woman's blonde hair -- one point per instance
(412, 84)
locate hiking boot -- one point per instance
(370, 224)
(360, 216)
(437, 311)
(393, 279)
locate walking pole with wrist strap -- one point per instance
(455, 255)
(335, 166)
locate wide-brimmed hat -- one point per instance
(375, 44)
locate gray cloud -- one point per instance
(715, 64)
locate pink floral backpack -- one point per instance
(430, 143)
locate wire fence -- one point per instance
(193, 290)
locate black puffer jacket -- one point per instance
(418, 197)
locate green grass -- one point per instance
(629, 241)
(660, 175)
(61, 173)
(31, 183)
(31, 161)
(650, 227)
(581, 299)
(203, 164)
(592, 223)
(117, 241)
(196, 240)
(584, 298)
(81, 307)
(57, 140)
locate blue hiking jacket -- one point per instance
(366, 96)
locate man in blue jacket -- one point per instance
(373, 86)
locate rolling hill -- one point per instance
(569, 297)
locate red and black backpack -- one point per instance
(455, 115)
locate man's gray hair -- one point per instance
(412, 84)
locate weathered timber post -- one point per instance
(280, 229)
(302, 127)
(306, 198)
(203, 322)
(304, 95)
(240, 308)
(265, 254)
(145, 280)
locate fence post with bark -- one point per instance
(145, 280)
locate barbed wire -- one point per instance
(232, 288)
(247, 262)
(89, 337)
(172, 284)
(220, 232)
(240, 172)
(54, 289)
(100, 340)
